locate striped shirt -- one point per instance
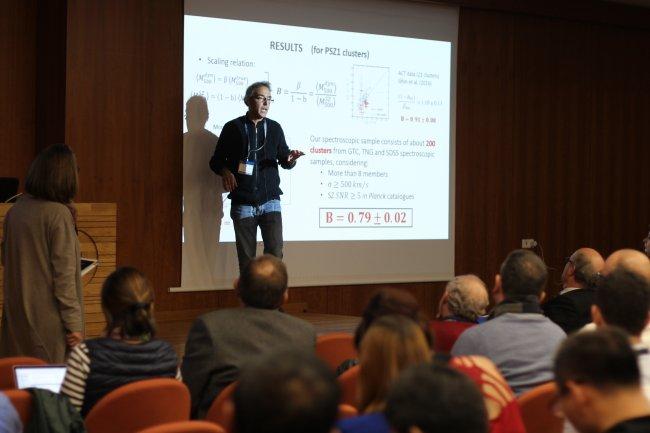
(78, 369)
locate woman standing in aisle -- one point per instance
(42, 313)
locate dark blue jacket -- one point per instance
(114, 363)
(267, 150)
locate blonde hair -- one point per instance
(391, 344)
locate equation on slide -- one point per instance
(365, 217)
(322, 93)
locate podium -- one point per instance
(97, 231)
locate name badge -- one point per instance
(246, 167)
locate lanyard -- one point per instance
(249, 139)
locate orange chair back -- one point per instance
(139, 405)
(334, 348)
(7, 369)
(185, 427)
(22, 401)
(348, 383)
(536, 410)
(222, 410)
(347, 411)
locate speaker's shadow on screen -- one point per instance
(202, 202)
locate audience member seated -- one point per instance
(390, 301)
(571, 309)
(502, 408)
(518, 338)
(464, 301)
(623, 300)
(384, 302)
(635, 262)
(435, 398)
(394, 342)
(9, 419)
(286, 392)
(391, 344)
(129, 351)
(221, 342)
(598, 383)
(630, 260)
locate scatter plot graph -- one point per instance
(370, 85)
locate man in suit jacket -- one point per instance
(571, 309)
(222, 342)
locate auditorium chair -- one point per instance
(185, 427)
(7, 369)
(348, 383)
(336, 347)
(347, 411)
(222, 410)
(139, 405)
(536, 411)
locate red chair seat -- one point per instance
(139, 405)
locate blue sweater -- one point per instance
(521, 345)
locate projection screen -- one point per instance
(367, 90)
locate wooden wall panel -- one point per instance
(123, 118)
(553, 130)
(17, 87)
(620, 159)
(50, 75)
(484, 137)
(568, 143)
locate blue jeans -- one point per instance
(246, 219)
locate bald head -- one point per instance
(582, 268)
(263, 282)
(628, 260)
(467, 297)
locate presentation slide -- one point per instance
(366, 89)
(371, 112)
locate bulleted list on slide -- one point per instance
(371, 112)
